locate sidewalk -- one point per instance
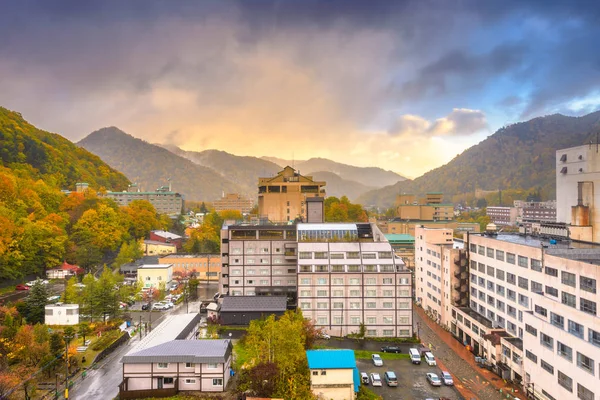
(488, 377)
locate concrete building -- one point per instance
(156, 248)
(535, 211)
(429, 208)
(233, 201)
(577, 201)
(153, 275)
(205, 267)
(163, 199)
(259, 260)
(177, 365)
(533, 313)
(166, 237)
(407, 227)
(61, 314)
(502, 215)
(282, 198)
(404, 247)
(333, 374)
(348, 275)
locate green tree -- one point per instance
(70, 294)
(57, 344)
(129, 252)
(84, 330)
(192, 287)
(36, 302)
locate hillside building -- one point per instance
(429, 208)
(233, 201)
(282, 198)
(205, 267)
(408, 227)
(163, 199)
(503, 216)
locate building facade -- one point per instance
(333, 374)
(282, 198)
(533, 313)
(61, 314)
(205, 267)
(163, 199)
(259, 260)
(429, 208)
(233, 201)
(348, 275)
(502, 215)
(154, 275)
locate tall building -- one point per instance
(577, 200)
(441, 276)
(535, 211)
(283, 197)
(163, 199)
(233, 201)
(348, 276)
(429, 208)
(340, 275)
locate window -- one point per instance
(402, 305)
(546, 340)
(523, 300)
(322, 281)
(338, 281)
(490, 252)
(217, 381)
(163, 365)
(551, 271)
(552, 291)
(212, 365)
(322, 306)
(388, 281)
(531, 330)
(567, 278)
(499, 255)
(510, 258)
(511, 294)
(587, 284)
(338, 304)
(549, 368)
(584, 393)
(354, 281)
(340, 293)
(371, 304)
(511, 278)
(388, 320)
(355, 293)
(585, 363)
(371, 320)
(481, 250)
(565, 381)
(548, 395)
(305, 255)
(321, 255)
(190, 381)
(337, 320)
(355, 320)
(564, 351)
(523, 283)
(569, 299)
(594, 337)
(587, 306)
(369, 256)
(490, 271)
(499, 274)
(168, 381)
(531, 356)
(490, 285)
(523, 262)
(500, 290)
(536, 265)
(403, 281)
(512, 311)
(385, 254)
(473, 248)
(190, 365)
(322, 320)
(481, 267)
(336, 256)
(557, 320)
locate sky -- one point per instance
(401, 85)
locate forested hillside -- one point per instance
(519, 156)
(151, 166)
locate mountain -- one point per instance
(519, 156)
(151, 166)
(242, 170)
(368, 176)
(339, 187)
(38, 154)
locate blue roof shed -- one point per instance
(334, 359)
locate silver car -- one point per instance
(447, 378)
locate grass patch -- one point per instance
(366, 355)
(364, 393)
(241, 355)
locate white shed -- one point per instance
(62, 314)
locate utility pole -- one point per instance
(140, 326)
(67, 338)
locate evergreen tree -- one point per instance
(36, 302)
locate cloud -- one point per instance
(460, 122)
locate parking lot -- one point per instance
(412, 382)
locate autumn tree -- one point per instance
(35, 303)
(129, 252)
(142, 218)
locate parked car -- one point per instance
(146, 306)
(53, 299)
(79, 285)
(364, 378)
(21, 287)
(122, 305)
(415, 356)
(434, 379)
(168, 304)
(390, 378)
(377, 361)
(391, 349)
(375, 379)
(159, 306)
(324, 336)
(447, 378)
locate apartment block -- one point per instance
(535, 211)
(163, 199)
(533, 313)
(429, 208)
(283, 197)
(441, 276)
(258, 260)
(205, 267)
(502, 215)
(233, 201)
(348, 275)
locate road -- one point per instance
(103, 382)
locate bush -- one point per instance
(105, 341)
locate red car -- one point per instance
(22, 287)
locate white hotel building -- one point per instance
(348, 275)
(533, 313)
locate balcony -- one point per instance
(290, 254)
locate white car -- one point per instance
(324, 336)
(168, 304)
(159, 306)
(377, 361)
(375, 379)
(447, 378)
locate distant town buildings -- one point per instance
(282, 198)
(163, 199)
(233, 201)
(429, 208)
(506, 216)
(205, 267)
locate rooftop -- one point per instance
(334, 359)
(193, 351)
(146, 241)
(191, 256)
(155, 266)
(254, 303)
(476, 316)
(399, 237)
(166, 235)
(172, 328)
(515, 341)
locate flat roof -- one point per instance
(155, 266)
(399, 237)
(194, 351)
(328, 226)
(537, 241)
(159, 243)
(190, 256)
(476, 316)
(254, 303)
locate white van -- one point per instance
(415, 356)
(430, 359)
